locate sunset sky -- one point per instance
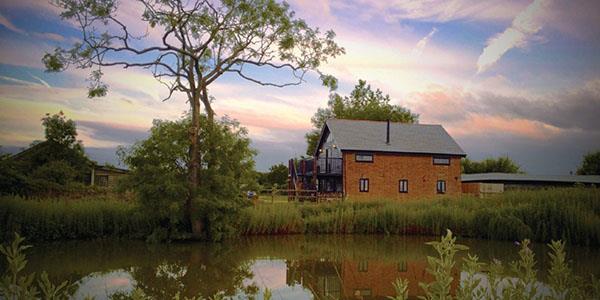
(516, 78)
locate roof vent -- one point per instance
(387, 136)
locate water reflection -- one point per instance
(293, 267)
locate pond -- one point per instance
(292, 267)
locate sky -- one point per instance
(516, 78)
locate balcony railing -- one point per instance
(305, 167)
(325, 166)
(329, 166)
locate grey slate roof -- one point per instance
(405, 138)
(508, 177)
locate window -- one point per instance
(441, 187)
(364, 157)
(363, 184)
(441, 160)
(102, 180)
(363, 266)
(403, 186)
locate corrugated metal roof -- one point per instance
(407, 138)
(504, 177)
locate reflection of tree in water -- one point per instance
(367, 264)
(320, 276)
(195, 271)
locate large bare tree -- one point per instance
(201, 40)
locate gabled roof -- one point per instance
(360, 135)
(111, 169)
(509, 177)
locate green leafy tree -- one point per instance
(47, 167)
(201, 41)
(159, 166)
(590, 164)
(277, 175)
(363, 103)
(60, 130)
(490, 165)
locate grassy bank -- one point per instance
(571, 214)
(94, 217)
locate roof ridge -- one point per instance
(374, 121)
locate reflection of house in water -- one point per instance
(358, 279)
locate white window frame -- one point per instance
(403, 186)
(363, 185)
(363, 157)
(441, 186)
(441, 160)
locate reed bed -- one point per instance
(63, 219)
(569, 214)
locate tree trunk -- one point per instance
(194, 165)
(210, 127)
(207, 106)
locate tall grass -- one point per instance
(65, 219)
(571, 214)
(568, 214)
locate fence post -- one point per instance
(274, 189)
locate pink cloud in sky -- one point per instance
(428, 10)
(8, 24)
(269, 274)
(462, 115)
(481, 124)
(402, 47)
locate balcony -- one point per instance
(325, 166)
(329, 166)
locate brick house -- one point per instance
(381, 160)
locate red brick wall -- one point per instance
(380, 276)
(470, 188)
(388, 168)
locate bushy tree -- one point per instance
(277, 174)
(47, 167)
(60, 130)
(363, 103)
(159, 166)
(490, 165)
(590, 164)
(13, 181)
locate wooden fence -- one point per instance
(297, 195)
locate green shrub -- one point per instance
(13, 285)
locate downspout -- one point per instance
(343, 176)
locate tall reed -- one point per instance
(63, 219)
(569, 214)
